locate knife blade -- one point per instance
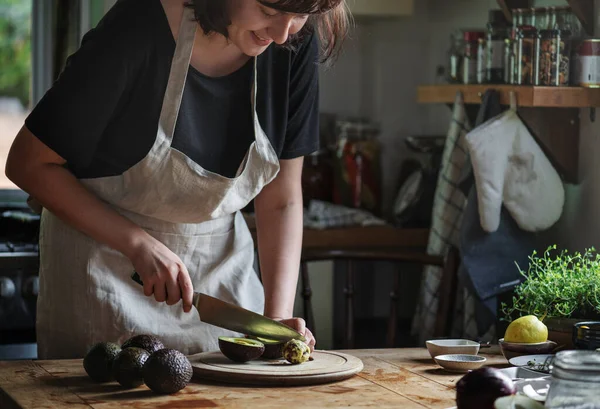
(234, 318)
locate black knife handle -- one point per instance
(136, 277)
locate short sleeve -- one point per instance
(73, 114)
(302, 133)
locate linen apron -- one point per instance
(86, 293)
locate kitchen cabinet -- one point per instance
(381, 8)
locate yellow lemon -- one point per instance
(528, 329)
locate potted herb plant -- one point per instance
(560, 288)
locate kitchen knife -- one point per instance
(234, 318)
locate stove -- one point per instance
(19, 280)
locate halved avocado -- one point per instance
(273, 349)
(241, 349)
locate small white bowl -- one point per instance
(452, 346)
(460, 363)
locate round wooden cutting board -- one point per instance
(326, 366)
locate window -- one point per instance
(36, 37)
(15, 74)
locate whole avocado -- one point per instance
(167, 371)
(128, 366)
(98, 362)
(148, 342)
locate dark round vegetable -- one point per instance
(99, 360)
(167, 371)
(148, 342)
(480, 388)
(128, 366)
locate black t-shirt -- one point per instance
(102, 113)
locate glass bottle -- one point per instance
(554, 57)
(481, 61)
(575, 381)
(517, 24)
(469, 61)
(497, 32)
(455, 56)
(526, 59)
(509, 60)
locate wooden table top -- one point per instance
(357, 237)
(392, 378)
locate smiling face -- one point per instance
(254, 26)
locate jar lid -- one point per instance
(576, 360)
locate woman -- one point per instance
(168, 121)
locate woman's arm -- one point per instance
(279, 226)
(279, 212)
(40, 171)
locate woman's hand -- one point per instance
(40, 171)
(300, 325)
(162, 272)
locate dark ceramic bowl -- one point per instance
(586, 335)
(514, 349)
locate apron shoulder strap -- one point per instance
(178, 75)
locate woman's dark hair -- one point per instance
(329, 18)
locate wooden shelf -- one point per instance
(527, 96)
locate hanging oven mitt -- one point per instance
(511, 169)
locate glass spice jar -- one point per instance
(455, 56)
(481, 61)
(554, 57)
(470, 56)
(514, 36)
(509, 61)
(575, 382)
(526, 57)
(317, 177)
(497, 32)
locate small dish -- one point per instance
(460, 363)
(452, 346)
(537, 363)
(515, 349)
